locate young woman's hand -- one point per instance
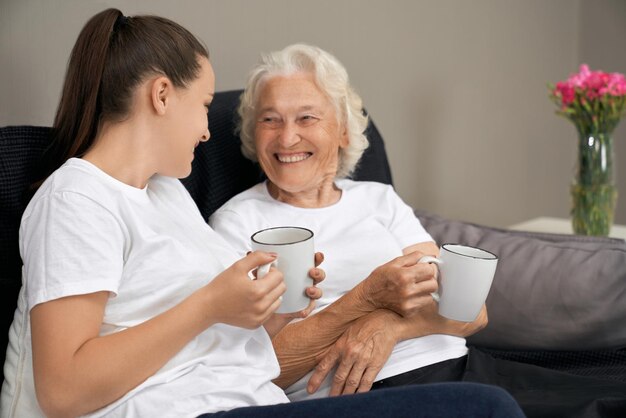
(238, 300)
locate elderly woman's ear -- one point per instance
(345, 138)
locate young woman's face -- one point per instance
(187, 123)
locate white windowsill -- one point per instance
(560, 226)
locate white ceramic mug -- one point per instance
(465, 277)
(296, 256)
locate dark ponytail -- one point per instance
(112, 55)
(76, 120)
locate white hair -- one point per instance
(330, 76)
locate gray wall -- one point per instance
(458, 88)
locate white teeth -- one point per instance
(292, 158)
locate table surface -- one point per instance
(560, 226)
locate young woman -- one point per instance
(131, 306)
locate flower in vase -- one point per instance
(594, 101)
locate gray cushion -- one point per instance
(550, 291)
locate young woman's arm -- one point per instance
(77, 371)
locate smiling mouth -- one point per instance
(293, 158)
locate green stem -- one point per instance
(595, 163)
(593, 192)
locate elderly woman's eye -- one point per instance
(307, 119)
(267, 119)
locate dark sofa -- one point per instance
(557, 301)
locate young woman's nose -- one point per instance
(206, 135)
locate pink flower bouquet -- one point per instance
(593, 100)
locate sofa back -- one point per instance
(219, 172)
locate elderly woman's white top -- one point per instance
(369, 226)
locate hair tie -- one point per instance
(120, 21)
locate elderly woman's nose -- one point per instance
(289, 135)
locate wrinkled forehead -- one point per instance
(299, 89)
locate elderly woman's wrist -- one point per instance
(363, 298)
(396, 324)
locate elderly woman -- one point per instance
(304, 124)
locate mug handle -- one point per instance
(264, 269)
(433, 260)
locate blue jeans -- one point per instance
(447, 400)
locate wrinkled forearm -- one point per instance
(429, 322)
(299, 345)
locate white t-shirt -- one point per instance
(369, 226)
(84, 232)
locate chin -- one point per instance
(179, 173)
(184, 174)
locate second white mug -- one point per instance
(465, 277)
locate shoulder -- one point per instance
(74, 181)
(366, 188)
(247, 198)
(378, 197)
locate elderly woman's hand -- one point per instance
(428, 321)
(465, 329)
(402, 285)
(359, 354)
(277, 321)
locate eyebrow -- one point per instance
(300, 109)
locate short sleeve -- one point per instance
(403, 223)
(70, 245)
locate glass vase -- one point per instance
(593, 191)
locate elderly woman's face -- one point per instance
(297, 133)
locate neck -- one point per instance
(119, 151)
(324, 195)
